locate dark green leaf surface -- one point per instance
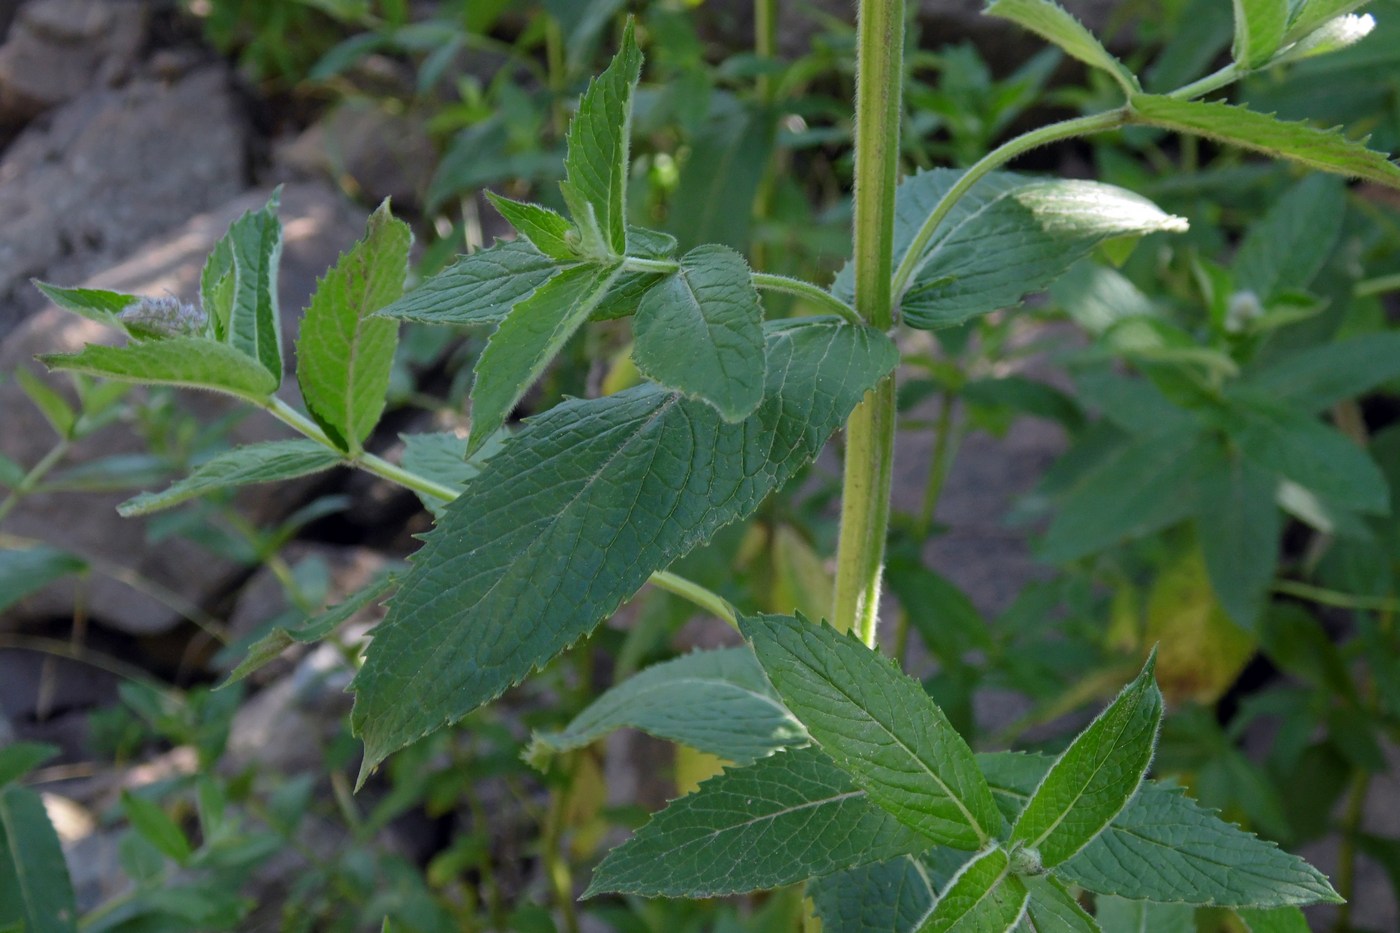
(715, 701)
(1286, 249)
(1052, 909)
(343, 354)
(1325, 150)
(479, 288)
(984, 897)
(29, 570)
(786, 818)
(885, 897)
(1051, 22)
(1238, 524)
(527, 340)
(1315, 379)
(35, 893)
(880, 726)
(599, 139)
(156, 827)
(190, 362)
(441, 456)
(19, 758)
(1093, 780)
(53, 406)
(95, 304)
(719, 181)
(1259, 28)
(254, 326)
(573, 516)
(548, 230)
(268, 462)
(1116, 915)
(700, 332)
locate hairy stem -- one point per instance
(803, 289)
(32, 478)
(865, 494)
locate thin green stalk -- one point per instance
(696, 594)
(1377, 286)
(1326, 597)
(1211, 82)
(945, 443)
(32, 478)
(865, 494)
(1055, 132)
(817, 296)
(765, 46)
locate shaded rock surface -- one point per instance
(56, 49)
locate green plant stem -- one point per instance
(865, 492)
(1377, 286)
(1211, 82)
(817, 296)
(1340, 600)
(706, 599)
(765, 46)
(1055, 132)
(945, 442)
(32, 478)
(1346, 854)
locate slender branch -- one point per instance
(638, 264)
(803, 289)
(696, 594)
(32, 478)
(1055, 132)
(1211, 82)
(1335, 598)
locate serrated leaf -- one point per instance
(549, 231)
(1277, 920)
(1052, 909)
(700, 332)
(1312, 14)
(216, 281)
(718, 702)
(786, 818)
(95, 304)
(984, 897)
(1325, 150)
(36, 895)
(1259, 28)
(1009, 236)
(191, 362)
(1238, 524)
(28, 570)
(1093, 780)
(267, 462)
(1316, 378)
(343, 354)
(156, 827)
(442, 457)
(880, 726)
(892, 896)
(1053, 23)
(1116, 915)
(479, 288)
(254, 326)
(54, 407)
(19, 758)
(527, 340)
(599, 139)
(593, 495)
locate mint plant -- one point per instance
(848, 777)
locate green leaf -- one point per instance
(880, 726)
(1259, 28)
(728, 160)
(479, 288)
(1325, 150)
(885, 897)
(1239, 524)
(216, 285)
(1093, 780)
(1316, 378)
(1052, 909)
(1051, 22)
(1286, 249)
(592, 496)
(254, 325)
(55, 409)
(527, 340)
(1277, 920)
(267, 462)
(191, 362)
(700, 332)
(599, 137)
(984, 897)
(1007, 237)
(716, 701)
(28, 570)
(36, 895)
(155, 826)
(1115, 915)
(1313, 455)
(19, 758)
(1312, 14)
(343, 354)
(788, 817)
(549, 231)
(95, 304)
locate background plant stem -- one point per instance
(865, 499)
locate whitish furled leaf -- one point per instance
(527, 340)
(718, 702)
(1277, 920)
(1116, 915)
(788, 817)
(599, 139)
(267, 462)
(880, 726)
(892, 896)
(1312, 14)
(36, 895)
(1238, 524)
(1259, 28)
(1332, 36)
(190, 362)
(1053, 23)
(479, 288)
(343, 354)
(254, 326)
(1093, 780)
(1052, 909)
(984, 897)
(27, 570)
(1325, 150)
(548, 230)
(95, 304)
(700, 332)
(584, 502)
(1316, 378)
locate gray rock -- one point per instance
(370, 151)
(318, 226)
(57, 49)
(83, 188)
